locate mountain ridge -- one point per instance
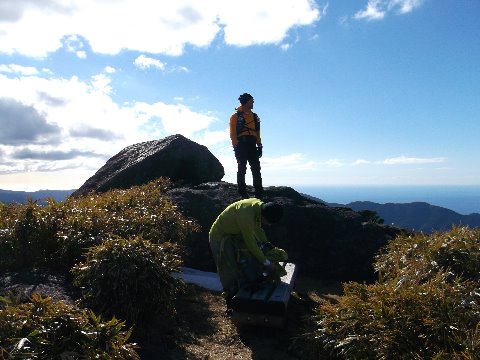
(11, 196)
(417, 216)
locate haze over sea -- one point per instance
(463, 199)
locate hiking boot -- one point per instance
(228, 303)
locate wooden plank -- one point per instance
(251, 300)
(278, 301)
(266, 300)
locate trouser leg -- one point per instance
(242, 186)
(241, 169)
(256, 174)
(225, 256)
(257, 179)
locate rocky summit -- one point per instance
(325, 242)
(332, 243)
(175, 157)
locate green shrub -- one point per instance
(417, 258)
(130, 279)
(426, 304)
(7, 221)
(27, 234)
(56, 235)
(42, 329)
(140, 210)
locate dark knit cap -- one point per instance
(244, 98)
(272, 212)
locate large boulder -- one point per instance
(175, 157)
(331, 243)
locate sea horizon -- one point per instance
(463, 199)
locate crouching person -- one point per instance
(239, 244)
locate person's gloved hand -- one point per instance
(276, 254)
(273, 271)
(259, 150)
(269, 268)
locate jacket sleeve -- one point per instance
(251, 232)
(233, 129)
(257, 129)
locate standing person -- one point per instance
(247, 144)
(237, 238)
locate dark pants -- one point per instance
(236, 266)
(246, 151)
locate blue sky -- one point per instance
(351, 92)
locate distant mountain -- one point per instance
(9, 196)
(417, 216)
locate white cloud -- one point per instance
(172, 119)
(74, 44)
(87, 126)
(177, 68)
(378, 9)
(275, 170)
(18, 69)
(405, 6)
(374, 11)
(361, 162)
(403, 160)
(295, 161)
(101, 83)
(157, 27)
(110, 70)
(332, 163)
(269, 20)
(144, 62)
(400, 160)
(211, 138)
(324, 10)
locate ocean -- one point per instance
(461, 199)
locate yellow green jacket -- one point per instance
(242, 218)
(249, 124)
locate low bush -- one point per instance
(426, 303)
(56, 235)
(417, 258)
(130, 279)
(42, 329)
(28, 234)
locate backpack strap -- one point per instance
(241, 124)
(257, 121)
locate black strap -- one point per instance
(242, 125)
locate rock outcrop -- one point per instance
(325, 242)
(175, 157)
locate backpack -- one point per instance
(241, 125)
